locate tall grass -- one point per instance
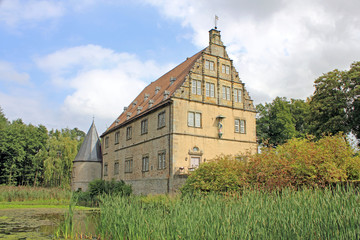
(26, 193)
(304, 214)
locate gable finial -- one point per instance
(216, 20)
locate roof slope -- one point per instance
(90, 150)
(162, 84)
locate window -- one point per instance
(161, 120)
(117, 136)
(209, 65)
(240, 126)
(116, 168)
(210, 89)
(106, 142)
(194, 119)
(128, 165)
(225, 69)
(128, 133)
(196, 87)
(237, 95)
(226, 93)
(161, 160)
(145, 163)
(105, 169)
(144, 126)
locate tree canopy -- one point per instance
(30, 155)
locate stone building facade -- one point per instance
(196, 111)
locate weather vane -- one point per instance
(216, 20)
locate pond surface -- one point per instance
(41, 223)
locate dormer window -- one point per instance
(151, 102)
(157, 89)
(125, 108)
(172, 80)
(128, 115)
(166, 94)
(134, 103)
(146, 97)
(139, 109)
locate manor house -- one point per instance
(194, 112)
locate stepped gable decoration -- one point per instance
(90, 150)
(168, 84)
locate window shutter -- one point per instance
(198, 87)
(237, 125)
(228, 93)
(190, 119)
(212, 90)
(193, 87)
(197, 119)
(242, 126)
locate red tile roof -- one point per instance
(179, 72)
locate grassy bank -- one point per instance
(26, 193)
(305, 214)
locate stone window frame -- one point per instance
(210, 65)
(144, 126)
(116, 168)
(210, 89)
(117, 137)
(162, 159)
(237, 95)
(128, 132)
(161, 119)
(145, 160)
(196, 87)
(105, 169)
(192, 122)
(128, 165)
(240, 126)
(106, 142)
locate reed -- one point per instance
(26, 193)
(303, 214)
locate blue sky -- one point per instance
(63, 62)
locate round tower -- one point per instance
(87, 165)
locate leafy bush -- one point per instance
(99, 187)
(298, 163)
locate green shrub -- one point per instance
(298, 163)
(100, 187)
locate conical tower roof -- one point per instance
(90, 150)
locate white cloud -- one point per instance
(279, 47)
(102, 81)
(10, 75)
(14, 12)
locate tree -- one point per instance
(281, 120)
(335, 105)
(354, 99)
